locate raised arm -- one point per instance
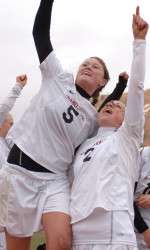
(8, 102)
(139, 26)
(118, 91)
(41, 29)
(135, 101)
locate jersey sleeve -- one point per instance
(8, 102)
(117, 92)
(41, 29)
(135, 100)
(133, 125)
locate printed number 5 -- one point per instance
(68, 118)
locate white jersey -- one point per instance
(57, 120)
(5, 106)
(143, 187)
(8, 102)
(105, 166)
(4, 151)
(101, 227)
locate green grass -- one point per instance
(37, 239)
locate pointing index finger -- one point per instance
(137, 11)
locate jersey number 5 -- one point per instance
(68, 118)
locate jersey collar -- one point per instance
(82, 92)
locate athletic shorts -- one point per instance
(26, 195)
(2, 241)
(104, 247)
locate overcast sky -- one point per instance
(80, 29)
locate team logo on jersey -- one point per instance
(70, 91)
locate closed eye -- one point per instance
(95, 66)
(118, 106)
(84, 65)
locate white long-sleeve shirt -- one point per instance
(105, 167)
(8, 102)
(143, 188)
(5, 106)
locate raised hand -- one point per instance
(22, 79)
(125, 75)
(139, 26)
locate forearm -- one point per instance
(117, 92)
(135, 101)
(8, 102)
(41, 29)
(139, 222)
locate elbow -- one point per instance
(35, 32)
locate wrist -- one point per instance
(139, 38)
(146, 232)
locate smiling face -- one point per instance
(112, 114)
(90, 76)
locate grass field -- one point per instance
(37, 239)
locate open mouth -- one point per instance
(108, 111)
(87, 73)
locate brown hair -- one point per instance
(95, 95)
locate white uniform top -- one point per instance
(8, 102)
(4, 151)
(5, 106)
(105, 166)
(143, 186)
(57, 120)
(101, 227)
